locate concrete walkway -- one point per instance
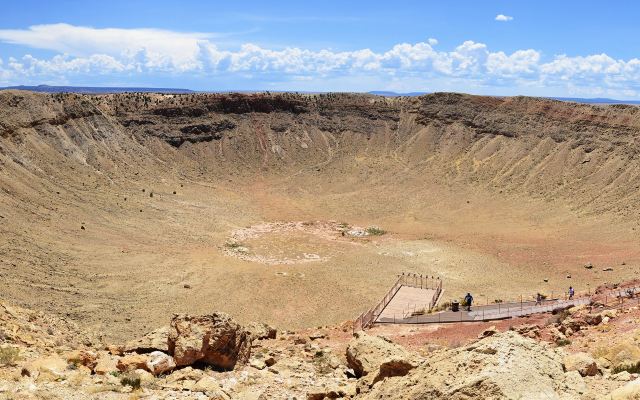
(481, 313)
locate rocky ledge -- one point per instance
(214, 357)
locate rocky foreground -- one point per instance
(581, 353)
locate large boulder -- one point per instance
(581, 362)
(214, 339)
(376, 358)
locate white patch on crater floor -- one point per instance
(277, 243)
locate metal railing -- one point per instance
(367, 318)
(615, 298)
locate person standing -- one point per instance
(571, 292)
(468, 299)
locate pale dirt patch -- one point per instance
(280, 243)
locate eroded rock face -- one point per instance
(261, 331)
(214, 339)
(503, 366)
(376, 358)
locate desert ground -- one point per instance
(119, 210)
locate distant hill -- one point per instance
(597, 100)
(103, 89)
(94, 90)
(395, 94)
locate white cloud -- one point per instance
(134, 53)
(503, 18)
(158, 48)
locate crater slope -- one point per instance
(120, 207)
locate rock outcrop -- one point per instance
(215, 339)
(503, 366)
(261, 331)
(377, 358)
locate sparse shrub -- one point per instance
(9, 355)
(375, 231)
(442, 307)
(132, 380)
(630, 368)
(232, 244)
(115, 373)
(563, 342)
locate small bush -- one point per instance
(630, 368)
(442, 307)
(132, 380)
(563, 342)
(9, 355)
(233, 245)
(375, 231)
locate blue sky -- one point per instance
(503, 47)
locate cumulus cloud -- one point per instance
(159, 48)
(503, 18)
(126, 53)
